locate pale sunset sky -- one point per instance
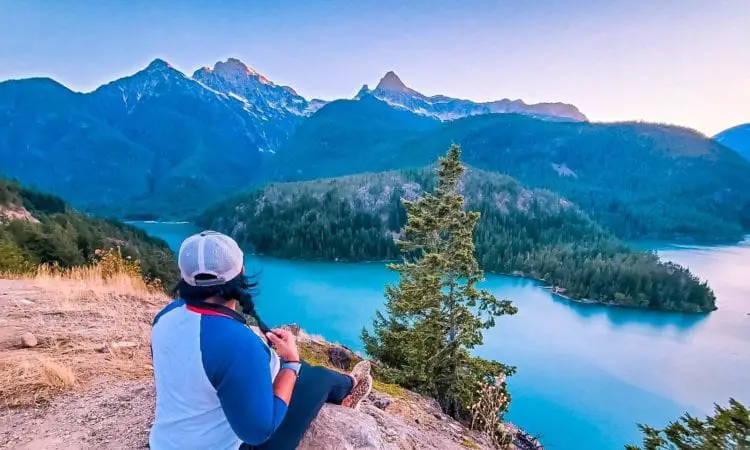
(684, 62)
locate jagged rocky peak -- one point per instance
(262, 96)
(232, 70)
(362, 92)
(158, 64)
(391, 82)
(233, 65)
(156, 78)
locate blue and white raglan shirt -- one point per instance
(214, 380)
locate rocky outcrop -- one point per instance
(108, 402)
(341, 428)
(16, 212)
(388, 421)
(118, 416)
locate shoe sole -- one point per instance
(362, 368)
(360, 391)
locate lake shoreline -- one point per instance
(553, 290)
(557, 291)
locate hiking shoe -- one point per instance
(360, 371)
(362, 385)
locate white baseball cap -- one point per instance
(209, 253)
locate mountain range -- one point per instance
(393, 91)
(154, 144)
(162, 144)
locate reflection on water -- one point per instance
(624, 316)
(586, 373)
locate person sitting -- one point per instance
(219, 385)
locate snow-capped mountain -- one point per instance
(257, 110)
(393, 91)
(158, 79)
(260, 95)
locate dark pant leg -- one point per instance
(316, 385)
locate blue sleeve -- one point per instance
(237, 364)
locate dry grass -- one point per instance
(90, 322)
(468, 443)
(26, 378)
(98, 278)
(492, 400)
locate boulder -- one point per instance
(339, 428)
(339, 358)
(342, 428)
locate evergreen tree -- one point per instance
(728, 428)
(436, 313)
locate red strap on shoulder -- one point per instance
(206, 312)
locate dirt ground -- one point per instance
(85, 382)
(105, 416)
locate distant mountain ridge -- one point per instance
(737, 138)
(256, 108)
(162, 144)
(393, 91)
(639, 180)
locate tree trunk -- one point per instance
(451, 406)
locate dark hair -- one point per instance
(240, 288)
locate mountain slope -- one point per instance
(38, 228)
(639, 180)
(50, 139)
(315, 149)
(149, 144)
(737, 138)
(521, 231)
(185, 125)
(393, 91)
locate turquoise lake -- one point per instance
(586, 373)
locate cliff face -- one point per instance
(76, 374)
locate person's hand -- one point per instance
(285, 344)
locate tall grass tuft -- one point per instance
(91, 322)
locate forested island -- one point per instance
(525, 232)
(38, 228)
